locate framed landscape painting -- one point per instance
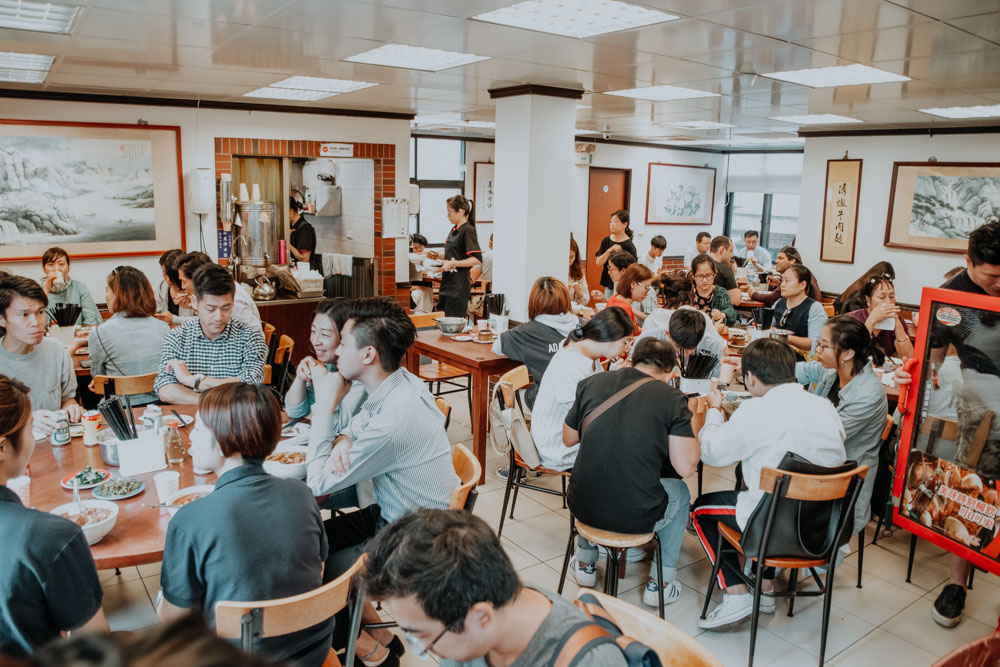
(935, 205)
(679, 194)
(94, 189)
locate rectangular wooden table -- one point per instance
(474, 358)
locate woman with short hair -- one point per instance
(709, 297)
(256, 536)
(130, 341)
(48, 581)
(60, 288)
(632, 287)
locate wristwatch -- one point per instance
(197, 382)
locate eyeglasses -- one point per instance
(881, 278)
(419, 649)
(704, 276)
(820, 345)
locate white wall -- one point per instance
(914, 269)
(478, 151)
(198, 131)
(636, 158)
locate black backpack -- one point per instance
(601, 629)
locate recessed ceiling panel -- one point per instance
(227, 11)
(159, 29)
(919, 41)
(360, 20)
(950, 9)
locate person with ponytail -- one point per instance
(631, 288)
(881, 316)
(605, 336)
(461, 253)
(619, 239)
(843, 373)
(48, 580)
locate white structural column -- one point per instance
(533, 188)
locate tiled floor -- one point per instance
(886, 622)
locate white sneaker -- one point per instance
(585, 574)
(671, 593)
(767, 604)
(633, 555)
(733, 610)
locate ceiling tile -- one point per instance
(964, 71)
(697, 7)
(213, 90)
(159, 29)
(986, 26)
(77, 80)
(918, 41)
(666, 71)
(29, 41)
(949, 9)
(796, 20)
(584, 55)
(458, 8)
(683, 38)
(161, 56)
(770, 57)
(228, 11)
(359, 20)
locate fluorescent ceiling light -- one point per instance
(816, 119)
(582, 106)
(38, 16)
(662, 93)
(318, 84)
(575, 18)
(24, 67)
(964, 112)
(289, 94)
(744, 141)
(841, 75)
(414, 57)
(450, 120)
(699, 125)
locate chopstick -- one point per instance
(179, 418)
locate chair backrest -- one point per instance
(426, 320)
(445, 408)
(274, 618)
(814, 488)
(518, 435)
(268, 332)
(267, 373)
(124, 385)
(674, 647)
(887, 429)
(468, 470)
(512, 381)
(828, 309)
(285, 347)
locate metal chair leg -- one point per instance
(511, 471)
(827, 598)
(566, 556)
(755, 613)
(521, 473)
(878, 528)
(972, 573)
(793, 581)
(715, 573)
(701, 472)
(861, 553)
(913, 551)
(564, 491)
(659, 571)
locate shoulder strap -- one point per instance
(611, 402)
(577, 641)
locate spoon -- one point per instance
(76, 496)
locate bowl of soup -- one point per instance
(288, 462)
(96, 520)
(186, 496)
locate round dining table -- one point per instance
(138, 535)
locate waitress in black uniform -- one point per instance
(302, 242)
(461, 253)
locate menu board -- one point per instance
(948, 470)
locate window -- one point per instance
(773, 216)
(437, 167)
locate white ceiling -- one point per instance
(221, 49)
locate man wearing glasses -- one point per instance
(444, 577)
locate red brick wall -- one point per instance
(384, 156)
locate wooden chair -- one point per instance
(828, 309)
(282, 362)
(437, 371)
(267, 373)
(783, 486)
(445, 408)
(261, 619)
(124, 385)
(674, 647)
(269, 341)
(522, 456)
(268, 332)
(616, 545)
(468, 469)
(887, 432)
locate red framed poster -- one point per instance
(947, 479)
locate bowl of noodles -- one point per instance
(186, 496)
(96, 520)
(287, 461)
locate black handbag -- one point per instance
(801, 529)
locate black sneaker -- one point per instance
(947, 609)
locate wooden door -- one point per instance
(608, 193)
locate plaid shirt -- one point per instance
(239, 351)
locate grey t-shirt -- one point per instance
(47, 370)
(128, 346)
(544, 646)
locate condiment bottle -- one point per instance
(152, 417)
(173, 445)
(91, 421)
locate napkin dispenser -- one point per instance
(142, 455)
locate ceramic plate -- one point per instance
(294, 429)
(101, 496)
(82, 351)
(462, 338)
(67, 481)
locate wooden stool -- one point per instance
(616, 545)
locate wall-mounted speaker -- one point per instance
(201, 191)
(413, 199)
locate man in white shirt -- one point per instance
(702, 243)
(688, 328)
(652, 260)
(780, 417)
(753, 253)
(244, 308)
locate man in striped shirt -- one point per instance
(214, 348)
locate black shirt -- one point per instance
(606, 242)
(625, 452)
(724, 276)
(303, 239)
(533, 344)
(963, 283)
(48, 581)
(255, 537)
(798, 317)
(462, 243)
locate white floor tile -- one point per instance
(915, 625)
(733, 647)
(109, 578)
(518, 556)
(543, 576)
(544, 537)
(882, 648)
(127, 606)
(805, 628)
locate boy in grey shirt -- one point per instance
(26, 355)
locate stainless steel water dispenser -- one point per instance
(255, 235)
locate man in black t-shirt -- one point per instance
(981, 276)
(628, 475)
(721, 251)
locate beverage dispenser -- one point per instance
(255, 237)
